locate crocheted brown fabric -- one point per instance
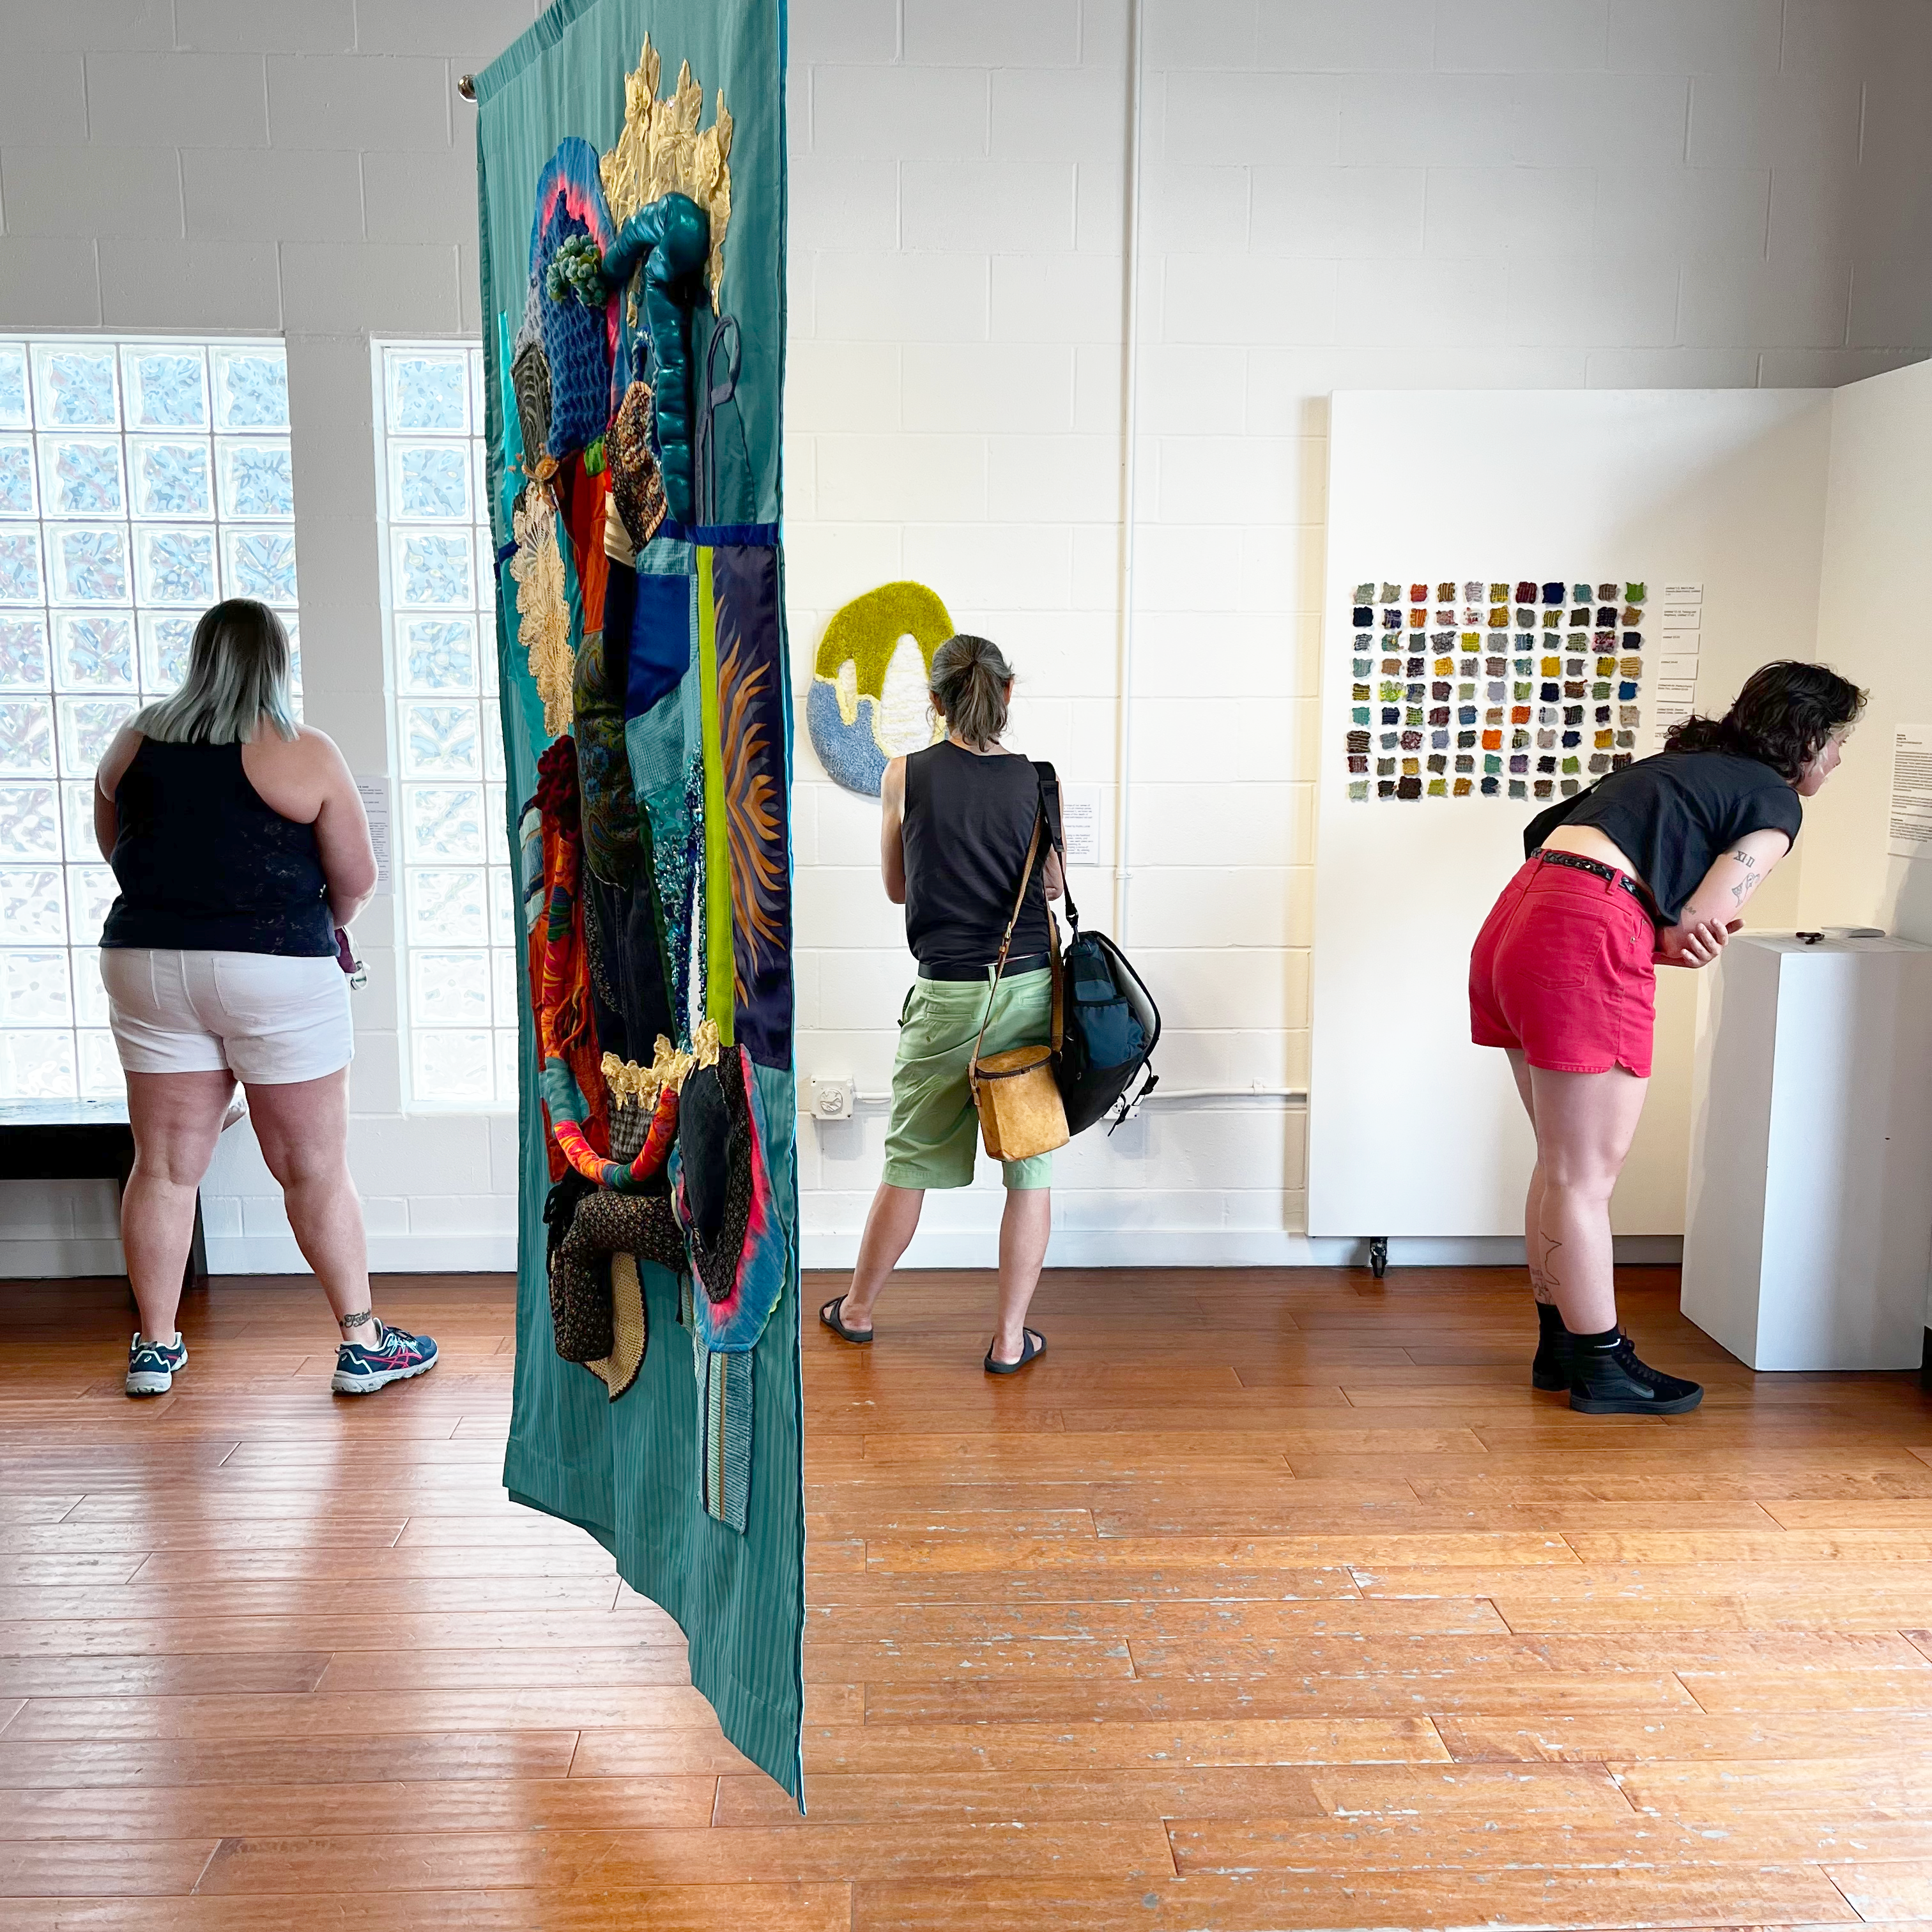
(580, 1307)
(636, 484)
(604, 1224)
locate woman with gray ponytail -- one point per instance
(238, 840)
(958, 825)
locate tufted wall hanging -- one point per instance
(633, 279)
(869, 699)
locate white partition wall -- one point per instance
(1879, 509)
(1412, 1130)
(1871, 626)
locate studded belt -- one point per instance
(1597, 869)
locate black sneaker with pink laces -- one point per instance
(360, 1371)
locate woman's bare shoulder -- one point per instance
(120, 754)
(308, 750)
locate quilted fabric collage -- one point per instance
(1525, 688)
(634, 270)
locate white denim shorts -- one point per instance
(266, 1017)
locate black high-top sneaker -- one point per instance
(1606, 1379)
(1551, 1368)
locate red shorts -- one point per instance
(1564, 969)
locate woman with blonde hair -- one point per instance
(238, 841)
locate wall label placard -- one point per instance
(374, 792)
(1909, 826)
(1080, 824)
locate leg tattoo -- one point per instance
(1551, 1281)
(345, 1322)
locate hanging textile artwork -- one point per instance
(869, 697)
(633, 286)
(1518, 688)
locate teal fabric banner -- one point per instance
(631, 166)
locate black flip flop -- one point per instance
(829, 1315)
(1033, 1344)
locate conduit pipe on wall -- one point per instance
(1130, 344)
(1288, 1096)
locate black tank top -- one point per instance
(968, 821)
(206, 864)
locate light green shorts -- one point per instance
(935, 1127)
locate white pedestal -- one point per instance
(1809, 1222)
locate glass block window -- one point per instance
(140, 482)
(456, 923)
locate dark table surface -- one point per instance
(75, 1140)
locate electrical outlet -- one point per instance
(831, 1099)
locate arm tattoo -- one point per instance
(1752, 878)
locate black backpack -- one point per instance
(1110, 1023)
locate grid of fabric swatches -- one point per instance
(1477, 689)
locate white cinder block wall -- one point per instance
(1333, 193)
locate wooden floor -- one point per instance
(1266, 1601)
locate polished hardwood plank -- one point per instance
(731, 1906)
(317, 1866)
(1542, 1842)
(1695, 1896)
(438, 1805)
(1267, 1601)
(299, 1759)
(60, 1676)
(80, 1868)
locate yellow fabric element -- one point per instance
(866, 631)
(627, 1081)
(705, 1043)
(660, 151)
(720, 946)
(619, 1369)
(543, 606)
(616, 541)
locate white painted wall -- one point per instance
(1336, 192)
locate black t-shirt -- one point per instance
(969, 820)
(1674, 816)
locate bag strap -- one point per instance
(1049, 805)
(1006, 938)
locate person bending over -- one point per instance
(238, 840)
(959, 823)
(1650, 865)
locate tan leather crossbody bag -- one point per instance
(1021, 1113)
